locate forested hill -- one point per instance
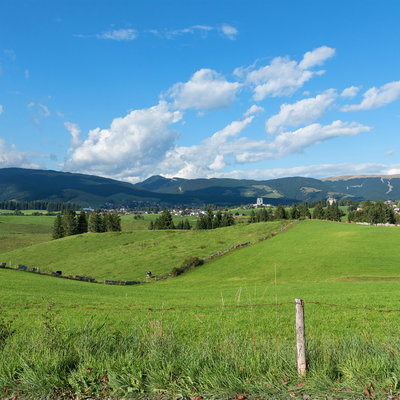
(95, 191)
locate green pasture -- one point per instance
(128, 255)
(181, 337)
(22, 231)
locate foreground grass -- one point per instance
(114, 342)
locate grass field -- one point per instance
(129, 255)
(22, 231)
(133, 350)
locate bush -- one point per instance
(188, 263)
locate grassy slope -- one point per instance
(318, 261)
(129, 255)
(22, 231)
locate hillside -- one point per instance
(129, 255)
(94, 191)
(86, 190)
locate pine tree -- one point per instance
(294, 212)
(58, 228)
(280, 212)
(70, 223)
(318, 212)
(96, 222)
(82, 223)
(115, 222)
(304, 212)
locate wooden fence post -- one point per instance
(300, 338)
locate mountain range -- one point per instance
(95, 191)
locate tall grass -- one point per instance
(153, 359)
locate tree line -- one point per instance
(72, 224)
(38, 205)
(209, 220)
(298, 211)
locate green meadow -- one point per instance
(22, 231)
(221, 330)
(129, 254)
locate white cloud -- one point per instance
(225, 29)
(218, 163)
(44, 110)
(75, 132)
(1, 109)
(229, 31)
(206, 90)
(254, 109)
(316, 57)
(118, 34)
(205, 159)
(377, 97)
(26, 73)
(288, 143)
(131, 147)
(302, 112)
(284, 76)
(39, 109)
(350, 91)
(14, 158)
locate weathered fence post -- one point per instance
(300, 338)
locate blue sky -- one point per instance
(260, 89)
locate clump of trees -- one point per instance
(212, 221)
(331, 213)
(165, 221)
(262, 215)
(374, 213)
(70, 223)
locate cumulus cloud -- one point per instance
(254, 109)
(131, 147)
(75, 132)
(377, 97)
(284, 76)
(1, 109)
(118, 34)
(206, 90)
(14, 158)
(350, 91)
(302, 112)
(205, 159)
